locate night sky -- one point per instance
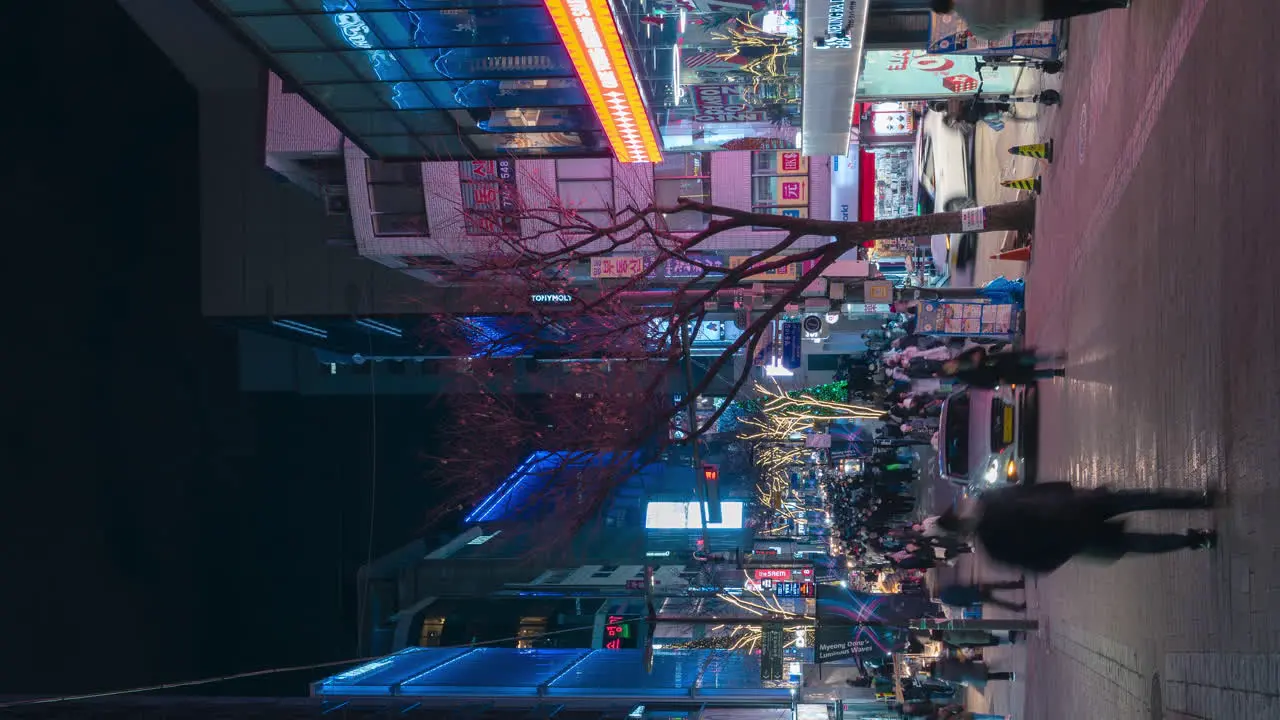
(156, 524)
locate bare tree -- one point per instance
(628, 336)
(643, 315)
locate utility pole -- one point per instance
(700, 482)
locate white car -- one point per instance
(986, 438)
(945, 178)
(944, 165)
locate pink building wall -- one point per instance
(294, 128)
(730, 186)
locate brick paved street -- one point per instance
(1155, 268)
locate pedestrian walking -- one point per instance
(974, 673)
(996, 19)
(983, 369)
(963, 596)
(1040, 527)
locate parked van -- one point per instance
(986, 438)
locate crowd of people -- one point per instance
(872, 518)
(1036, 528)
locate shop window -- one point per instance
(532, 632)
(427, 262)
(780, 184)
(493, 62)
(396, 198)
(683, 175)
(585, 189)
(432, 631)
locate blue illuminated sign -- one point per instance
(357, 33)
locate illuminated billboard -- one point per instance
(590, 35)
(687, 516)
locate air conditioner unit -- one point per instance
(336, 201)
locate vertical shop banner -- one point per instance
(915, 74)
(791, 163)
(791, 348)
(678, 268)
(782, 190)
(490, 196)
(723, 104)
(968, 318)
(618, 266)
(949, 34)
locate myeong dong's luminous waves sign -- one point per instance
(591, 37)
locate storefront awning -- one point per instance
(835, 30)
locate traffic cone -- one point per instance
(1022, 254)
(1043, 151)
(1032, 184)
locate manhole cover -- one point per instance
(1157, 698)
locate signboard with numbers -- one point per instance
(490, 198)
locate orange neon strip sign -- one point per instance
(591, 37)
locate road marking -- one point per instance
(1082, 133)
(1240, 686)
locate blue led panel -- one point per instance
(380, 676)
(494, 671)
(609, 672)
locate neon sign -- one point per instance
(355, 32)
(616, 629)
(550, 298)
(590, 35)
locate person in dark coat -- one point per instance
(983, 369)
(965, 672)
(968, 595)
(1040, 527)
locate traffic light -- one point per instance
(711, 492)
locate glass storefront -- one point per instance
(728, 79)
(464, 79)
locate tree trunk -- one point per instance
(1018, 215)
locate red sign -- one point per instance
(614, 632)
(773, 574)
(790, 162)
(792, 190)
